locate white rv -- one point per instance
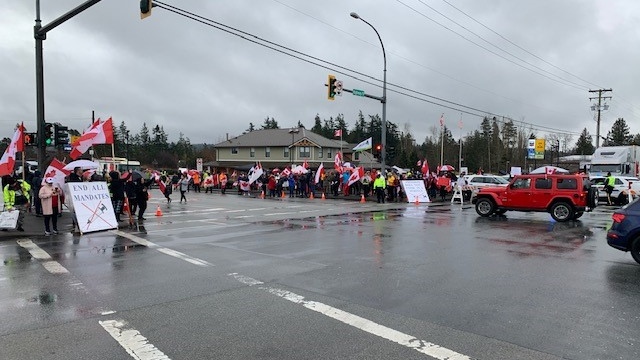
(618, 160)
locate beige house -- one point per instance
(283, 147)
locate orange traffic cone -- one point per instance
(362, 200)
(417, 202)
(311, 196)
(323, 197)
(262, 194)
(283, 195)
(158, 211)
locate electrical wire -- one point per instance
(334, 67)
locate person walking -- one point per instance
(168, 188)
(49, 195)
(116, 187)
(378, 187)
(610, 184)
(223, 182)
(184, 187)
(142, 196)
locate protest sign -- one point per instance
(415, 189)
(92, 206)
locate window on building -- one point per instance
(328, 153)
(304, 151)
(267, 152)
(356, 156)
(319, 153)
(286, 153)
(234, 150)
(252, 152)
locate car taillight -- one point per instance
(617, 217)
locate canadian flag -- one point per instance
(356, 175)
(549, 170)
(337, 133)
(425, 167)
(285, 173)
(8, 160)
(319, 172)
(337, 162)
(305, 164)
(419, 163)
(98, 133)
(56, 171)
(442, 120)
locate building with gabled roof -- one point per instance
(283, 147)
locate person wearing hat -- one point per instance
(50, 197)
(16, 197)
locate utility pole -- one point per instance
(600, 97)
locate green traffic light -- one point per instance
(48, 141)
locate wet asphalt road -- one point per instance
(243, 278)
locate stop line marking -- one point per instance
(132, 341)
(52, 266)
(421, 346)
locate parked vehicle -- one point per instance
(621, 189)
(480, 181)
(618, 160)
(624, 233)
(566, 197)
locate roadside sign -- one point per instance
(357, 92)
(199, 164)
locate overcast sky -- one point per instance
(533, 61)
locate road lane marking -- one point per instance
(132, 341)
(164, 250)
(50, 265)
(421, 346)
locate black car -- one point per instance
(625, 232)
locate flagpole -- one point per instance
(441, 139)
(23, 164)
(460, 140)
(341, 154)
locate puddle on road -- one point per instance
(44, 298)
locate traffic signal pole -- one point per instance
(40, 34)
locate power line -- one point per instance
(520, 47)
(333, 67)
(561, 81)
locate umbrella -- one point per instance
(549, 170)
(83, 164)
(135, 175)
(447, 168)
(276, 170)
(299, 170)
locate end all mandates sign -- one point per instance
(92, 206)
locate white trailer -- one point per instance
(618, 160)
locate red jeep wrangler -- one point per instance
(565, 197)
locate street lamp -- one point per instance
(383, 139)
(293, 131)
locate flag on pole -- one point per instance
(8, 160)
(442, 120)
(337, 162)
(337, 133)
(100, 132)
(356, 175)
(319, 172)
(425, 167)
(419, 163)
(365, 145)
(305, 164)
(56, 171)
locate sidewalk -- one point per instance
(34, 226)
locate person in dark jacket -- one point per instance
(76, 175)
(116, 188)
(36, 183)
(142, 195)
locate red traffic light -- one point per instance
(378, 147)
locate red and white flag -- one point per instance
(356, 175)
(8, 160)
(337, 162)
(425, 167)
(319, 172)
(285, 173)
(419, 163)
(56, 171)
(550, 170)
(442, 120)
(337, 133)
(98, 133)
(305, 164)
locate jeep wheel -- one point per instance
(635, 249)
(592, 200)
(485, 207)
(562, 212)
(577, 215)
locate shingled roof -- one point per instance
(278, 137)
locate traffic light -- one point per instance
(49, 134)
(145, 8)
(377, 151)
(391, 153)
(331, 94)
(61, 134)
(30, 139)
